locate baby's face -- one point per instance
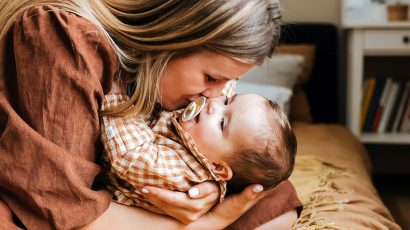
(226, 125)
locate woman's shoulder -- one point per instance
(56, 35)
(49, 23)
(48, 16)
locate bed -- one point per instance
(332, 175)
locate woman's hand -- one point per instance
(126, 217)
(185, 207)
(231, 209)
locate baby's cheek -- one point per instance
(203, 138)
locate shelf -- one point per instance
(376, 25)
(386, 52)
(375, 46)
(387, 138)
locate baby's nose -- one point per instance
(210, 107)
(213, 104)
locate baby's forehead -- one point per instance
(250, 99)
(251, 121)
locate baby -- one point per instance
(245, 140)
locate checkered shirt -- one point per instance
(160, 154)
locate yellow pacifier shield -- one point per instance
(194, 108)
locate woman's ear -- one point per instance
(223, 170)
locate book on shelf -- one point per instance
(373, 112)
(382, 105)
(396, 104)
(370, 84)
(406, 115)
(401, 108)
(389, 106)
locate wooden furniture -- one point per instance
(332, 175)
(384, 42)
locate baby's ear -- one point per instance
(223, 170)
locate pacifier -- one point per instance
(194, 108)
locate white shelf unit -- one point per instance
(365, 40)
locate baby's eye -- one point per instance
(210, 79)
(227, 100)
(222, 123)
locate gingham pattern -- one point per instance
(162, 155)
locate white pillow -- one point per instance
(281, 70)
(274, 79)
(281, 95)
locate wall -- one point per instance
(311, 11)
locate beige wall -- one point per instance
(311, 11)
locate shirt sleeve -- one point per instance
(136, 157)
(129, 146)
(54, 70)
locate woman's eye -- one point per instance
(210, 79)
(222, 123)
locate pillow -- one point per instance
(274, 79)
(306, 51)
(280, 70)
(281, 95)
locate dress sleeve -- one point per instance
(54, 70)
(278, 201)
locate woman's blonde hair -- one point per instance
(146, 34)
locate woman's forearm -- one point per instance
(124, 217)
(130, 218)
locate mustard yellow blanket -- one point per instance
(332, 177)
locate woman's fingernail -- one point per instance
(257, 188)
(193, 192)
(146, 191)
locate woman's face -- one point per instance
(201, 74)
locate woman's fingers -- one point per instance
(178, 204)
(158, 195)
(231, 209)
(203, 190)
(236, 205)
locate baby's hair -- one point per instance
(271, 158)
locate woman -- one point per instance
(58, 59)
